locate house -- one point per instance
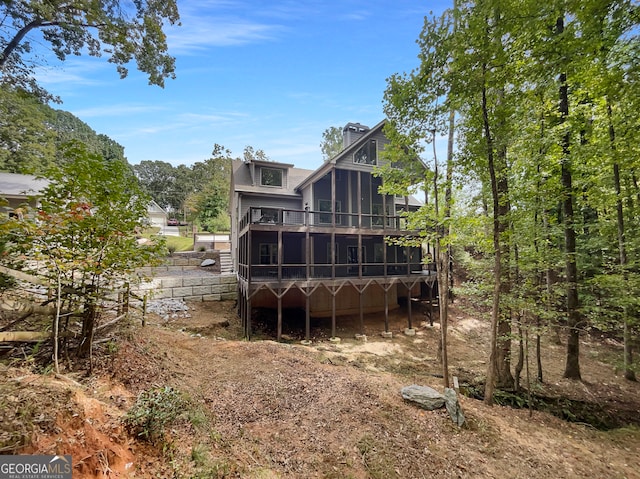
(318, 239)
(156, 214)
(20, 189)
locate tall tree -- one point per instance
(123, 31)
(33, 135)
(158, 180)
(331, 143)
(82, 236)
(26, 144)
(211, 196)
(528, 132)
(416, 115)
(250, 154)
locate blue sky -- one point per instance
(273, 75)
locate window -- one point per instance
(271, 177)
(377, 217)
(268, 253)
(325, 205)
(367, 155)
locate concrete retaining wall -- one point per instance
(181, 277)
(191, 287)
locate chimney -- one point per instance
(351, 132)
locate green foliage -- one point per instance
(83, 235)
(502, 72)
(27, 145)
(210, 208)
(199, 192)
(251, 154)
(125, 32)
(33, 135)
(331, 142)
(158, 178)
(153, 412)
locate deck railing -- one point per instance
(324, 271)
(292, 217)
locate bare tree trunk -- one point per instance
(56, 324)
(572, 367)
(539, 352)
(498, 370)
(520, 364)
(442, 254)
(628, 351)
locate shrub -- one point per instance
(153, 411)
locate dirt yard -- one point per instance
(263, 409)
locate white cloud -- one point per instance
(200, 32)
(115, 110)
(83, 73)
(354, 16)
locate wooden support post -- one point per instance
(361, 311)
(409, 306)
(279, 334)
(248, 332)
(430, 304)
(307, 319)
(333, 312)
(386, 310)
(120, 303)
(280, 255)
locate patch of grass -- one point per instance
(179, 243)
(198, 418)
(199, 455)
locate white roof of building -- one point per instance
(14, 185)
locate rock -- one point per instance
(208, 262)
(426, 397)
(430, 399)
(453, 406)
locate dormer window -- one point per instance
(271, 177)
(367, 155)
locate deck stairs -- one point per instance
(226, 263)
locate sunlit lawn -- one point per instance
(179, 243)
(174, 243)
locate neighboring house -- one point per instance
(20, 189)
(315, 239)
(157, 215)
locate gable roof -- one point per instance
(345, 152)
(299, 178)
(243, 182)
(154, 207)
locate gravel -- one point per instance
(169, 308)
